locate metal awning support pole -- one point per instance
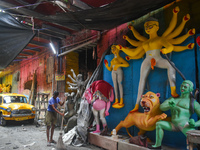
(79, 46)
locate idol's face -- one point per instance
(185, 88)
(114, 50)
(151, 27)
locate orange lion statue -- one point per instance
(144, 121)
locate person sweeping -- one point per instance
(51, 116)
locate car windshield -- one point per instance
(14, 99)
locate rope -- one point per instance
(183, 77)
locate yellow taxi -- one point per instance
(15, 107)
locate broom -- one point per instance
(60, 145)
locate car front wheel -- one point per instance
(31, 121)
(2, 120)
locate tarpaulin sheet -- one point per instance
(14, 36)
(107, 17)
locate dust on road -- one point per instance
(25, 136)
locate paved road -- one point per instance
(25, 136)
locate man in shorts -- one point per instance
(51, 116)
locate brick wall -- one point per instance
(113, 36)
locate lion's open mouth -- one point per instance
(146, 109)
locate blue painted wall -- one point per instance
(157, 83)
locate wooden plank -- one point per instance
(193, 139)
(124, 145)
(41, 105)
(193, 136)
(102, 141)
(31, 98)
